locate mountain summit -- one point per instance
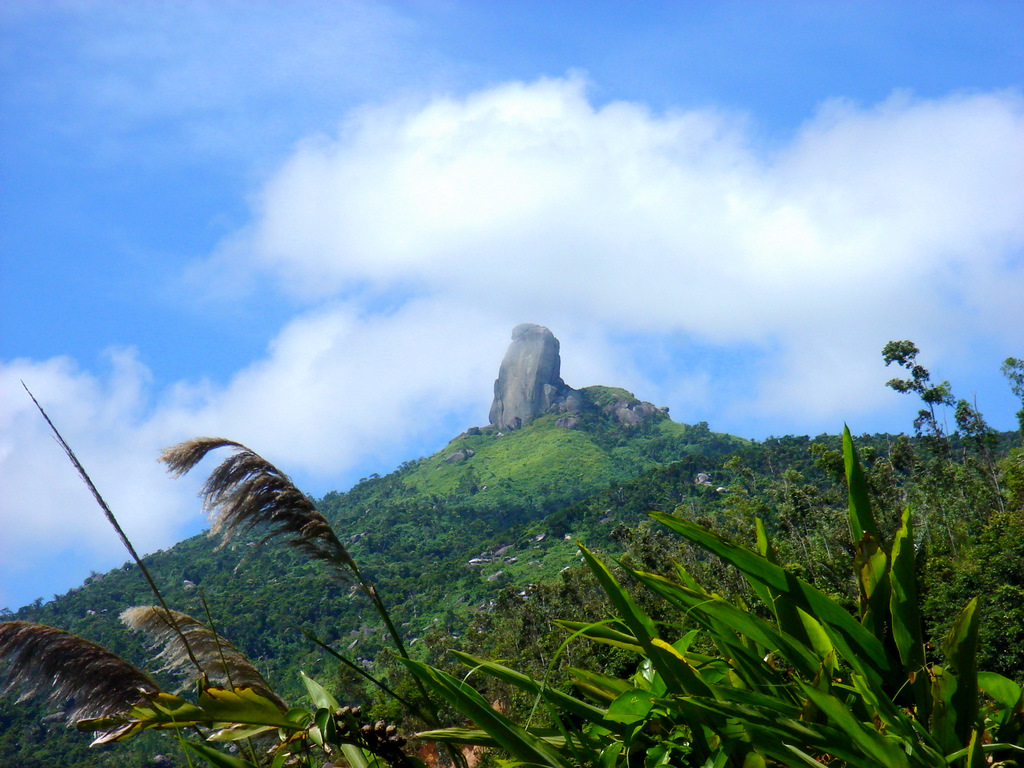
(529, 383)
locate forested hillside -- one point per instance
(477, 548)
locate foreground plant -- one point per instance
(809, 685)
(232, 701)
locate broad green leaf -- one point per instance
(631, 707)
(960, 647)
(1000, 688)
(861, 518)
(241, 706)
(869, 564)
(610, 755)
(318, 694)
(325, 731)
(943, 723)
(906, 615)
(818, 639)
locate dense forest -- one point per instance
(478, 552)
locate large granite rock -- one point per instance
(529, 381)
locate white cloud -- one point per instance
(527, 198)
(337, 388)
(46, 509)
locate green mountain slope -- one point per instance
(414, 533)
(491, 518)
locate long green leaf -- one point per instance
(870, 566)
(600, 632)
(786, 612)
(796, 653)
(598, 685)
(862, 520)
(858, 646)
(514, 739)
(676, 672)
(479, 737)
(772, 733)
(562, 701)
(318, 694)
(960, 647)
(873, 744)
(241, 706)
(906, 615)
(943, 722)
(215, 757)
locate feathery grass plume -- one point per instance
(223, 663)
(246, 490)
(67, 668)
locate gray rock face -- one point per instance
(529, 381)
(459, 456)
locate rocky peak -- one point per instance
(529, 381)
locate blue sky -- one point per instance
(311, 227)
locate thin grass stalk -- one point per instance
(224, 662)
(359, 670)
(246, 490)
(113, 521)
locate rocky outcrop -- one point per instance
(459, 456)
(631, 413)
(529, 382)
(529, 385)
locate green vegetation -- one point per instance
(810, 684)
(728, 656)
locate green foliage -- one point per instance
(934, 396)
(809, 685)
(1013, 370)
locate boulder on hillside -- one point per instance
(459, 456)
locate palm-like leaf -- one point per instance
(67, 668)
(246, 490)
(222, 663)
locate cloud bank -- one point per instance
(672, 253)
